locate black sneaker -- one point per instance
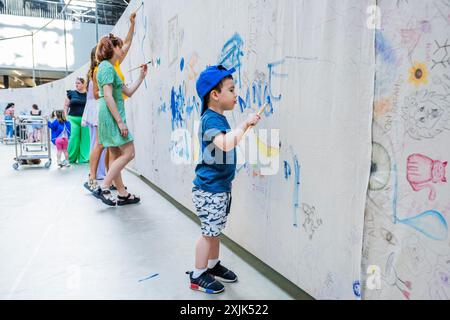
(222, 273)
(105, 196)
(205, 283)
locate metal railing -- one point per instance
(83, 11)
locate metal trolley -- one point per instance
(7, 131)
(32, 141)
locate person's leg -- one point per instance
(9, 131)
(214, 252)
(74, 141)
(65, 144)
(101, 167)
(122, 155)
(201, 279)
(30, 133)
(110, 157)
(59, 148)
(85, 145)
(107, 154)
(96, 151)
(34, 134)
(202, 253)
(97, 157)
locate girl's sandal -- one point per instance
(91, 185)
(129, 199)
(113, 188)
(105, 196)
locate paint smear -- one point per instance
(430, 223)
(265, 150)
(176, 107)
(296, 200)
(231, 54)
(287, 170)
(182, 64)
(149, 277)
(384, 49)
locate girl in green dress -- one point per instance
(112, 125)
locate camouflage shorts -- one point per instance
(212, 210)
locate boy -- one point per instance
(215, 172)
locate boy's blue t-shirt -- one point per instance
(217, 168)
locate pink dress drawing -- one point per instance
(424, 172)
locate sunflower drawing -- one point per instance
(418, 74)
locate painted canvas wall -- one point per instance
(300, 208)
(313, 63)
(406, 242)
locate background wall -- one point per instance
(49, 49)
(314, 63)
(408, 203)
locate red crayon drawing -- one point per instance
(424, 172)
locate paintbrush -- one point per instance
(142, 3)
(260, 112)
(150, 62)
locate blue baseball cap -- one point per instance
(208, 79)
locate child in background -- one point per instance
(60, 136)
(9, 114)
(34, 135)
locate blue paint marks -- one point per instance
(245, 104)
(158, 62)
(149, 277)
(177, 102)
(186, 144)
(181, 107)
(162, 108)
(231, 54)
(182, 64)
(287, 170)
(260, 93)
(430, 223)
(192, 104)
(272, 75)
(357, 288)
(180, 147)
(296, 199)
(384, 49)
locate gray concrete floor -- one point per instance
(58, 242)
